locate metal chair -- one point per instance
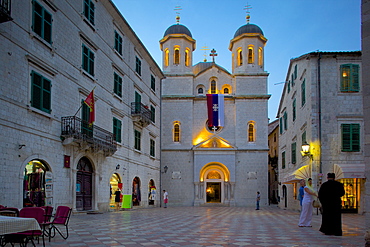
(61, 218)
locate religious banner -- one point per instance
(215, 106)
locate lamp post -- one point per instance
(306, 150)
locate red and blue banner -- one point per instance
(215, 106)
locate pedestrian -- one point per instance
(307, 209)
(258, 198)
(329, 194)
(302, 182)
(117, 198)
(165, 198)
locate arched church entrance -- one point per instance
(214, 185)
(37, 184)
(84, 184)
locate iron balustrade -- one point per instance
(97, 138)
(5, 10)
(141, 113)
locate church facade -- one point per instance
(225, 163)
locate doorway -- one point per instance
(213, 192)
(84, 185)
(136, 193)
(115, 184)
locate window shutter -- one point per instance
(355, 85)
(355, 137)
(346, 137)
(36, 90)
(46, 95)
(294, 153)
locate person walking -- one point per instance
(165, 198)
(117, 198)
(302, 182)
(307, 209)
(258, 198)
(329, 194)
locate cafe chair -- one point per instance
(28, 236)
(14, 212)
(61, 219)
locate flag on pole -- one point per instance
(215, 106)
(90, 102)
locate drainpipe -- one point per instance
(319, 116)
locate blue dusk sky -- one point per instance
(292, 28)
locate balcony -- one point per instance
(140, 113)
(78, 132)
(5, 10)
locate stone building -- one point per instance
(58, 54)
(223, 164)
(273, 168)
(322, 108)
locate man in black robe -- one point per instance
(330, 194)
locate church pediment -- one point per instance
(214, 142)
(202, 67)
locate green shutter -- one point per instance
(294, 109)
(294, 153)
(283, 160)
(281, 125)
(350, 137)
(355, 85)
(117, 127)
(303, 92)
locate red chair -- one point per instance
(26, 236)
(61, 218)
(9, 212)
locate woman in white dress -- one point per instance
(306, 213)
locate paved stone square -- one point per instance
(205, 226)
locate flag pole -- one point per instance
(81, 104)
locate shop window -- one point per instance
(34, 185)
(115, 184)
(152, 192)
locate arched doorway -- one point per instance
(37, 185)
(214, 185)
(136, 193)
(84, 184)
(115, 183)
(152, 192)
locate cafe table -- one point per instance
(10, 224)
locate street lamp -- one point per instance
(306, 150)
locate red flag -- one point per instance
(90, 102)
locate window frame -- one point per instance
(44, 22)
(138, 65)
(90, 59)
(117, 129)
(353, 81)
(294, 152)
(350, 139)
(117, 87)
(118, 42)
(44, 93)
(137, 138)
(303, 92)
(89, 11)
(152, 82)
(152, 148)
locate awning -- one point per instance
(349, 171)
(301, 173)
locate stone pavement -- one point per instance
(205, 226)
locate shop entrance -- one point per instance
(213, 192)
(84, 185)
(34, 183)
(152, 192)
(352, 196)
(115, 184)
(136, 193)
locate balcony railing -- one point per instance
(5, 10)
(79, 131)
(140, 114)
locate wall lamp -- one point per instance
(118, 166)
(165, 168)
(306, 150)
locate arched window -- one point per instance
(213, 87)
(200, 90)
(226, 91)
(187, 58)
(251, 132)
(177, 56)
(250, 54)
(240, 57)
(176, 132)
(166, 57)
(260, 56)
